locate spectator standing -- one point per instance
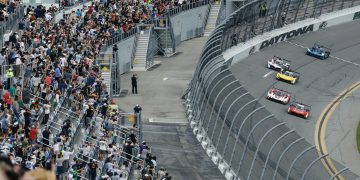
(92, 169)
(33, 134)
(66, 155)
(4, 126)
(59, 166)
(46, 135)
(134, 79)
(162, 173)
(47, 107)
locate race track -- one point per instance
(320, 82)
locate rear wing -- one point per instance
(283, 59)
(295, 74)
(278, 89)
(321, 46)
(307, 107)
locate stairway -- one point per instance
(212, 18)
(141, 51)
(107, 80)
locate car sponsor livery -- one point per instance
(299, 109)
(288, 76)
(279, 95)
(278, 63)
(318, 51)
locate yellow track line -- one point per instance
(320, 128)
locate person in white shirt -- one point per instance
(47, 107)
(103, 148)
(35, 81)
(66, 155)
(56, 148)
(86, 151)
(48, 16)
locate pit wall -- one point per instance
(243, 50)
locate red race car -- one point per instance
(299, 109)
(278, 95)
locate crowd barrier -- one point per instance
(244, 139)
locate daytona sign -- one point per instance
(287, 35)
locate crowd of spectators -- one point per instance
(7, 7)
(52, 92)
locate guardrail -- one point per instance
(244, 139)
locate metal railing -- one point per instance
(157, 22)
(243, 136)
(186, 7)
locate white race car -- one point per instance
(278, 64)
(278, 95)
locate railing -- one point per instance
(157, 22)
(187, 7)
(11, 21)
(231, 122)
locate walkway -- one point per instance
(165, 126)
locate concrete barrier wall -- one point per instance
(189, 24)
(240, 136)
(125, 51)
(242, 50)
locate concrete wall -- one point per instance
(189, 24)
(242, 50)
(125, 53)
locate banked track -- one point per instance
(321, 83)
(240, 133)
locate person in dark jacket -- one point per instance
(134, 83)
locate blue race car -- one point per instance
(318, 51)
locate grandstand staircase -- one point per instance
(107, 79)
(141, 51)
(212, 18)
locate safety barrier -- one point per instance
(244, 139)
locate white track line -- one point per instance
(267, 74)
(296, 44)
(343, 60)
(340, 59)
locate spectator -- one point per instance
(134, 79)
(33, 134)
(46, 136)
(162, 173)
(92, 169)
(47, 107)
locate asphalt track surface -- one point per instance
(320, 82)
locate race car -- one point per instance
(299, 109)
(318, 51)
(278, 95)
(278, 63)
(288, 75)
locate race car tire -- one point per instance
(286, 102)
(306, 115)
